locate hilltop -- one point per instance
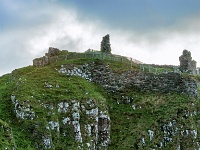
(97, 100)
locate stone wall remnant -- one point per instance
(52, 52)
(45, 60)
(147, 82)
(105, 44)
(186, 62)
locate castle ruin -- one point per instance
(45, 60)
(186, 62)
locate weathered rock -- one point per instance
(23, 111)
(42, 136)
(104, 129)
(94, 133)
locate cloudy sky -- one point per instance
(152, 31)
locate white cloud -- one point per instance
(21, 44)
(164, 45)
(64, 31)
(64, 28)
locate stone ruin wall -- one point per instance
(148, 82)
(45, 60)
(42, 61)
(167, 83)
(55, 55)
(187, 64)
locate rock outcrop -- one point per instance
(93, 134)
(23, 111)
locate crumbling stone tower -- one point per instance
(186, 62)
(105, 44)
(42, 61)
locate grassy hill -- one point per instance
(52, 110)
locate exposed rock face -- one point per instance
(105, 44)
(104, 129)
(186, 62)
(23, 111)
(112, 82)
(41, 136)
(93, 134)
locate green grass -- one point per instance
(28, 85)
(69, 87)
(129, 125)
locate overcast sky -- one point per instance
(152, 31)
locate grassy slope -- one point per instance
(29, 84)
(127, 125)
(134, 124)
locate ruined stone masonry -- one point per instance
(105, 44)
(186, 62)
(45, 60)
(147, 82)
(55, 55)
